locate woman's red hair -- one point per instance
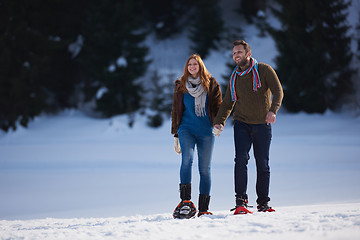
(203, 73)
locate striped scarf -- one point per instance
(256, 79)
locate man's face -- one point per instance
(240, 57)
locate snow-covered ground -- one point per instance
(330, 222)
(71, 176)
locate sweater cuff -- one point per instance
(273, 110)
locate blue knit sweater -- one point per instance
(199, 126)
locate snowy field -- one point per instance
(73, 177)
(310, 222)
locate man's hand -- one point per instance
(217, 129)
(270, 118)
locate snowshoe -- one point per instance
(241, 206)
(264, 208)
(241, 210)
(204, 213)
(185, 210)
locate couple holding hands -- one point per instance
(254, 95)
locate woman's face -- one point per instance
(193, 68)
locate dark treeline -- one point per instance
(314, 61)
(60, 54)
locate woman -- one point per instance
(197, 98)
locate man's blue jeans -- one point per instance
(205, 145)
(259, 136)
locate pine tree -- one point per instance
(314, 53)
(36, 72)
(358, 37)
(40, 71)
(250, 9)
(157, 98)
(357, 76)
(230, 35)
(165, 17)
(113, 56)
(207, 27)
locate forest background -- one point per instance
(94, 55)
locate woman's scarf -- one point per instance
(256, 79)
(196, 90)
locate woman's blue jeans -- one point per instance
(205, 145)
(259, 136)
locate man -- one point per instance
(254, 94)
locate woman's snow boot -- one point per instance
(186, 208)
(204, 201)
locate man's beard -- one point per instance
(243, 63)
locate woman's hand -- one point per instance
(177, 145)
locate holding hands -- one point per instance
(217, 129)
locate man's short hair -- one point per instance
(242, 42)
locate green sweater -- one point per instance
(252, 107)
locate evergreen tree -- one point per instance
(40, 68)
(207, 27)
(157, 98)
(249, 9)
(112, 56)
(36, 72)
(358, 37)
(356, 78)
(314, 53)
(230, 35)
(165, 17)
